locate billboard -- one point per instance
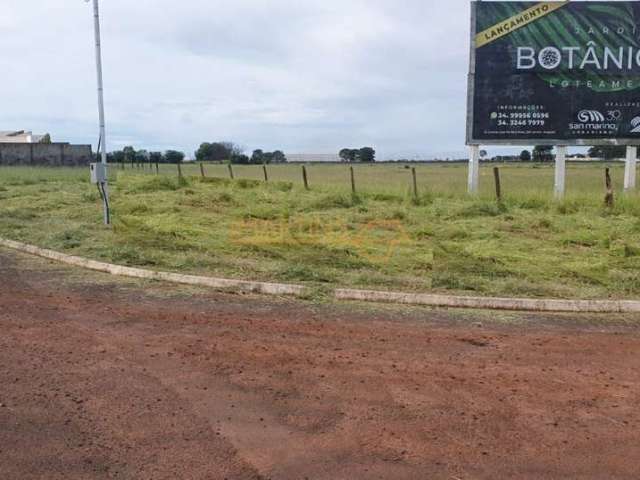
(557, 73)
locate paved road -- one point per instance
(122, 382)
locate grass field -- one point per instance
(382, 237)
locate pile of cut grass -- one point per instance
(529, 245)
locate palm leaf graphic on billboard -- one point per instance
(572, 26)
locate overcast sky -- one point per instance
(307, 76)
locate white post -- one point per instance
(561, 162)
(474, 169)
(630, 169)
(103, 136)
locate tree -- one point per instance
(212, 152)
(129, 154)
(525, 156)
(204, 153)
(348, 155)
(156, 157)
(232, 148)
(543, 153)
(367, 155)
(279, 157)
(240, 159)
(142, 156)
(116, 157)
(351, 155)
(267, 157)
(345, 155)
(608, 152)
(217, 151)
(258, 157)
(173, 156)
(46, 139)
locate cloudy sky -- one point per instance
(305, 76)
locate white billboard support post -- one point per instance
(630, 169)
(561, 171)
(474, 169)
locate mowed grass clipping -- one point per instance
(383, 237)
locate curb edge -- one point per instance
(280, 289)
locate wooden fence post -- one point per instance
(353, 180)
(608, 199)
(304, 177)
(179, 170)
(496, 176)
(230, 171)
(202, 171)
(157, 169)
(415, 183)
(264, 169)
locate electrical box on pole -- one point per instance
(98, 173)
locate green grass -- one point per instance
(380, 238)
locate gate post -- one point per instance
(474, 169)
(630, 169)
(561, 162)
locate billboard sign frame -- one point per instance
(559, 140)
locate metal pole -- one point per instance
(103, 136)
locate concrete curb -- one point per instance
(216, 283)
(513, 304)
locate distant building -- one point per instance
(20, 136)
(313, 158)
(21, 147)
(506, 158)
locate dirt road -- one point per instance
(117, 382)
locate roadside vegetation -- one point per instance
(381, 237)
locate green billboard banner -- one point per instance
(562, 73)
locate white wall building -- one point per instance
(19, 136)
(312, 157)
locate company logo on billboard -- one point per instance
(592, 116)
(594, 57)
(594, 122)
(635, 125)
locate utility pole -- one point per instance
(102, 144)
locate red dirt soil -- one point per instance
(114, 382)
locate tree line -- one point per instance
(233, 153)
(358, 155)
(207, 152)
(544, 153)
(223, 152)
(131, 155)
(608, 152)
